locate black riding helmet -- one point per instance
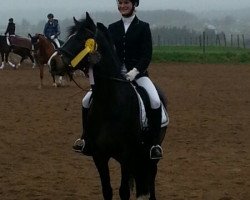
(134, 2)
(50, 16)
(10, 19)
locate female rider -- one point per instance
(133, 43)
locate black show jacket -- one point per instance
(10, 28)
(134, 48)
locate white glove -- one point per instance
(130, 76)
(52, 37)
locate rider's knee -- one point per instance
(155, 102)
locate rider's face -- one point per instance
(50, 19)
(125, 7)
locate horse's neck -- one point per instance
(110, 91)
(46, 47)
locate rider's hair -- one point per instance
(134, 2)
(50, 15)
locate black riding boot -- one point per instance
(156, 150)
(82, 144)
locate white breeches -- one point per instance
(144, 82)
(147, 84)
(57, 42)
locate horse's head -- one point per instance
(42, 47)
(34, 41)
(37, 39)
(87, 44)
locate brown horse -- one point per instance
(43, 50)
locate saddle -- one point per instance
(20, 42)
(145, 108)
(55, 45)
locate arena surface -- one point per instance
(206, 150)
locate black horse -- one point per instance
(114, 125)
(23, 49)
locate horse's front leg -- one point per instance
(142, 179)
(19, 64)
(2, 56)
(7, 60)
(101, 163)
(152, 177)
(32, 60)
(41, 67)
(124, 190)
(54, 80)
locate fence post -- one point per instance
(225, 40)
(200, 41)
(231, 40)
(238, 41)
(203, 43)
(217, 39)
(243, 41)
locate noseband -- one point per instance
(91, 47)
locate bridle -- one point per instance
(90, 47)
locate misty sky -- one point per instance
(38, 9)
(96, 5)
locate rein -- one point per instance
(90, 47)
(86, 89)
(114, 78)
(70, 97)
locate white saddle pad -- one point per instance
(143, 117)
(8, 41)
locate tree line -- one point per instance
(169, 27)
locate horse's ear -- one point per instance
(29, 35)
(75, 21)
(87, 16)
(90, 22)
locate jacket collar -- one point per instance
(128, 20)
(134, 22)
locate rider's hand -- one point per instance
(130, 76)
(52, 37)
